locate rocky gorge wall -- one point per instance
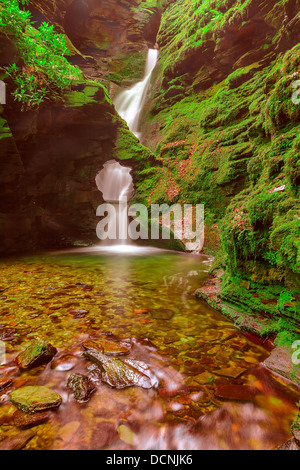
(223, 118)
(50, 154)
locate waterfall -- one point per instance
(129, 103)
(116, 185)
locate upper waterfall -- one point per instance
(129, 103)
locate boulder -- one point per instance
(35, 398)
(36, 354)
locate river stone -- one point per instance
(109, 348)
(81, 387)
(17, 442)
(37, 353)
(5, 383)
(119, 373)
(37, 398)
(24, 420)
(162, 314)
(64, 363)
(236, 392)
(230, 372)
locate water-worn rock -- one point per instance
(231, 372)
(64, 363)
(280, 361)
(81, 387)
(31, 399)
(119, 373)
(37, 353)
(24, 420)
(5, 383)
(17, 442)
(109, 348)
(162, 314)
(236, 392)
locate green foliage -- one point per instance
(45, 72)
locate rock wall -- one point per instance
(223, 123)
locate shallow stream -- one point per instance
(212, 390)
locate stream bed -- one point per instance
(210, 388)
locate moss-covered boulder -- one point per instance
(35, 398)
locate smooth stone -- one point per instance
(68, 430)
(204, 378)
(64, 363)
(17, 442)
(5, 383)
(81, 387)
(120, 374)
(25, 420)
(104, 435)
(35, 398)
(236, 392)
(110, 348)
(162, 314)
(37, 353)
(231, 372)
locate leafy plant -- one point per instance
(45, 71)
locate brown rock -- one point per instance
(231, 372)
(25, 420)
(236, 392)
(110, 348)
(5, 383)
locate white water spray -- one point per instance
(116, 185)
(129, 103)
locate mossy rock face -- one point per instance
(32, 399)
(38, 353)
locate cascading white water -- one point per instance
(130, 103)
(116, 185)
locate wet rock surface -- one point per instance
(24, 420)
(109, 348)
(5, 383)
(37, 398)
(81, 387)
(121, 373)
(37, 353)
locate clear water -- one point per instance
(185, 343)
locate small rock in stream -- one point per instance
(35, 398)
(81, 387)
(38, 353)
(17, 442)
(5, 383)
(25, 420)
(124, 373)
(64, 363)
(109, 348)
